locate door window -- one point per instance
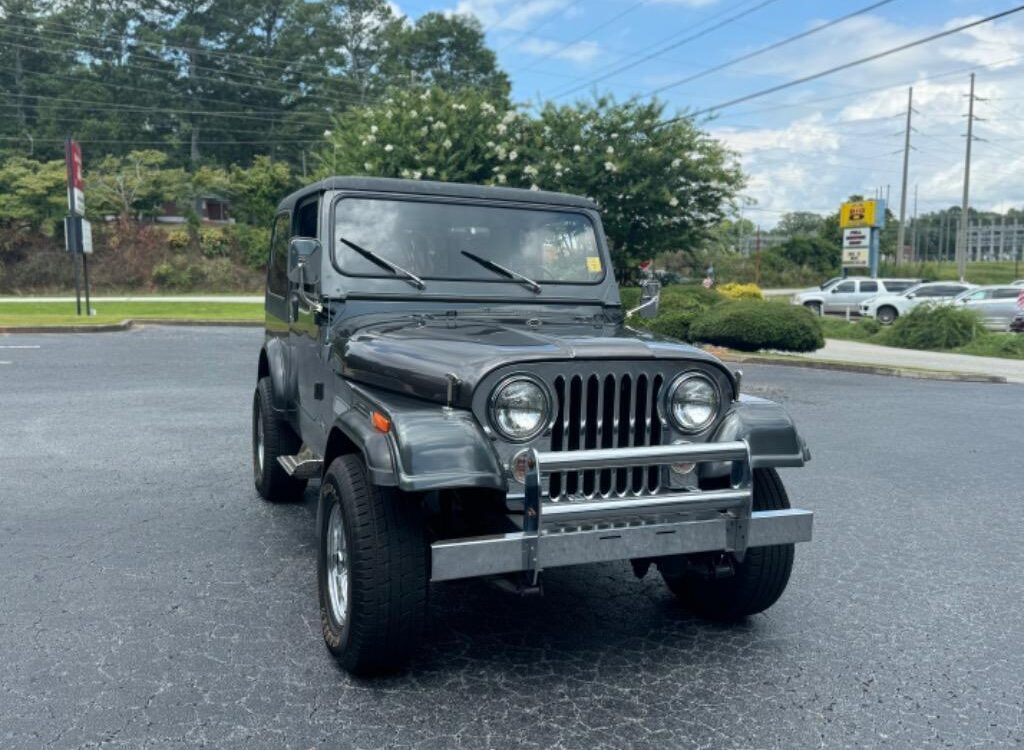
(277, 268)
(306, 217)
(1009, 293)
(869, 286)
(845, 288)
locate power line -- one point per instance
(845, 66)
(663, 50)
(541, 24)
(769, 48)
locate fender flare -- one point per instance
(275, 354)
(427, 447)
(768, 430)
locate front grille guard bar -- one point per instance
(736, 501)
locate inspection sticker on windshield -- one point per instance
(594, 263)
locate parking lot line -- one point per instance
(19, 346)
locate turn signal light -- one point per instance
(381, 422)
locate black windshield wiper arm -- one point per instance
(396, 269)
(508, 273)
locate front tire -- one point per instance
(758, 581)
(886, 315)
(814, 307)
(372, 570)
(272, 437)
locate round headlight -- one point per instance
(693, 402)
(519, 409)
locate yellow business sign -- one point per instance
(858, 214)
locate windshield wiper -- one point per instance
(508, 273)
(396, 269)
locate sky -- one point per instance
(808, 147)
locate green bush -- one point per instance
(749, 326)
(675, 323)
(252, 244)
(1008, 345)
(869, 326)
(934, 327)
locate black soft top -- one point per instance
(426, 187)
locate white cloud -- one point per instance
(580, 53)
(812, 156)
(508, 15)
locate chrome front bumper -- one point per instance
(570, 533)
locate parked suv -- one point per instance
(454, 366)
(847, 295)
(887, 307)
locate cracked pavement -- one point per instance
(148, 598)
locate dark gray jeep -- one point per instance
(454, 365)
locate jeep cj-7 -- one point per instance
(454, 364)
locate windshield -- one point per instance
(460, 241)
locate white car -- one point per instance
(885, 308)
(1018, 282)
(996, 304)
(842, 295)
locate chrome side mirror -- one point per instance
(299, 251)
(650, 298)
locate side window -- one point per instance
(931, 291)
(277, 270)
(1006, 293)
(306, 217)
(978, 295)
(898, 286)
(845, 287)
(951, 291)
(869, 286)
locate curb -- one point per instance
(125, 325)
(899, 372)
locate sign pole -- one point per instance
(69, 227)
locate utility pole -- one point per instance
(757, 258)
(961, 240)
(901, 232)
(913, 236)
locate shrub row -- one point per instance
(744, 322)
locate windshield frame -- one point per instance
(446, 200)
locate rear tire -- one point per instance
(758, 581)
(886, 315)
(373, 598)
(272, 436)
(814, 307)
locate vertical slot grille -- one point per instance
(606, 411)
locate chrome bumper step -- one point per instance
(556, 534)
(507, 553)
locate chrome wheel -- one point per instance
(259, 440)
(337, 566)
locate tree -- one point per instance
(800, 224)
(447, 51)
(33, 195)
(134, 185)
(660, 187)
(425, 133)
(255, 191)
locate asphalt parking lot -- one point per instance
(148, 598)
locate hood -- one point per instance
(414, 356)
